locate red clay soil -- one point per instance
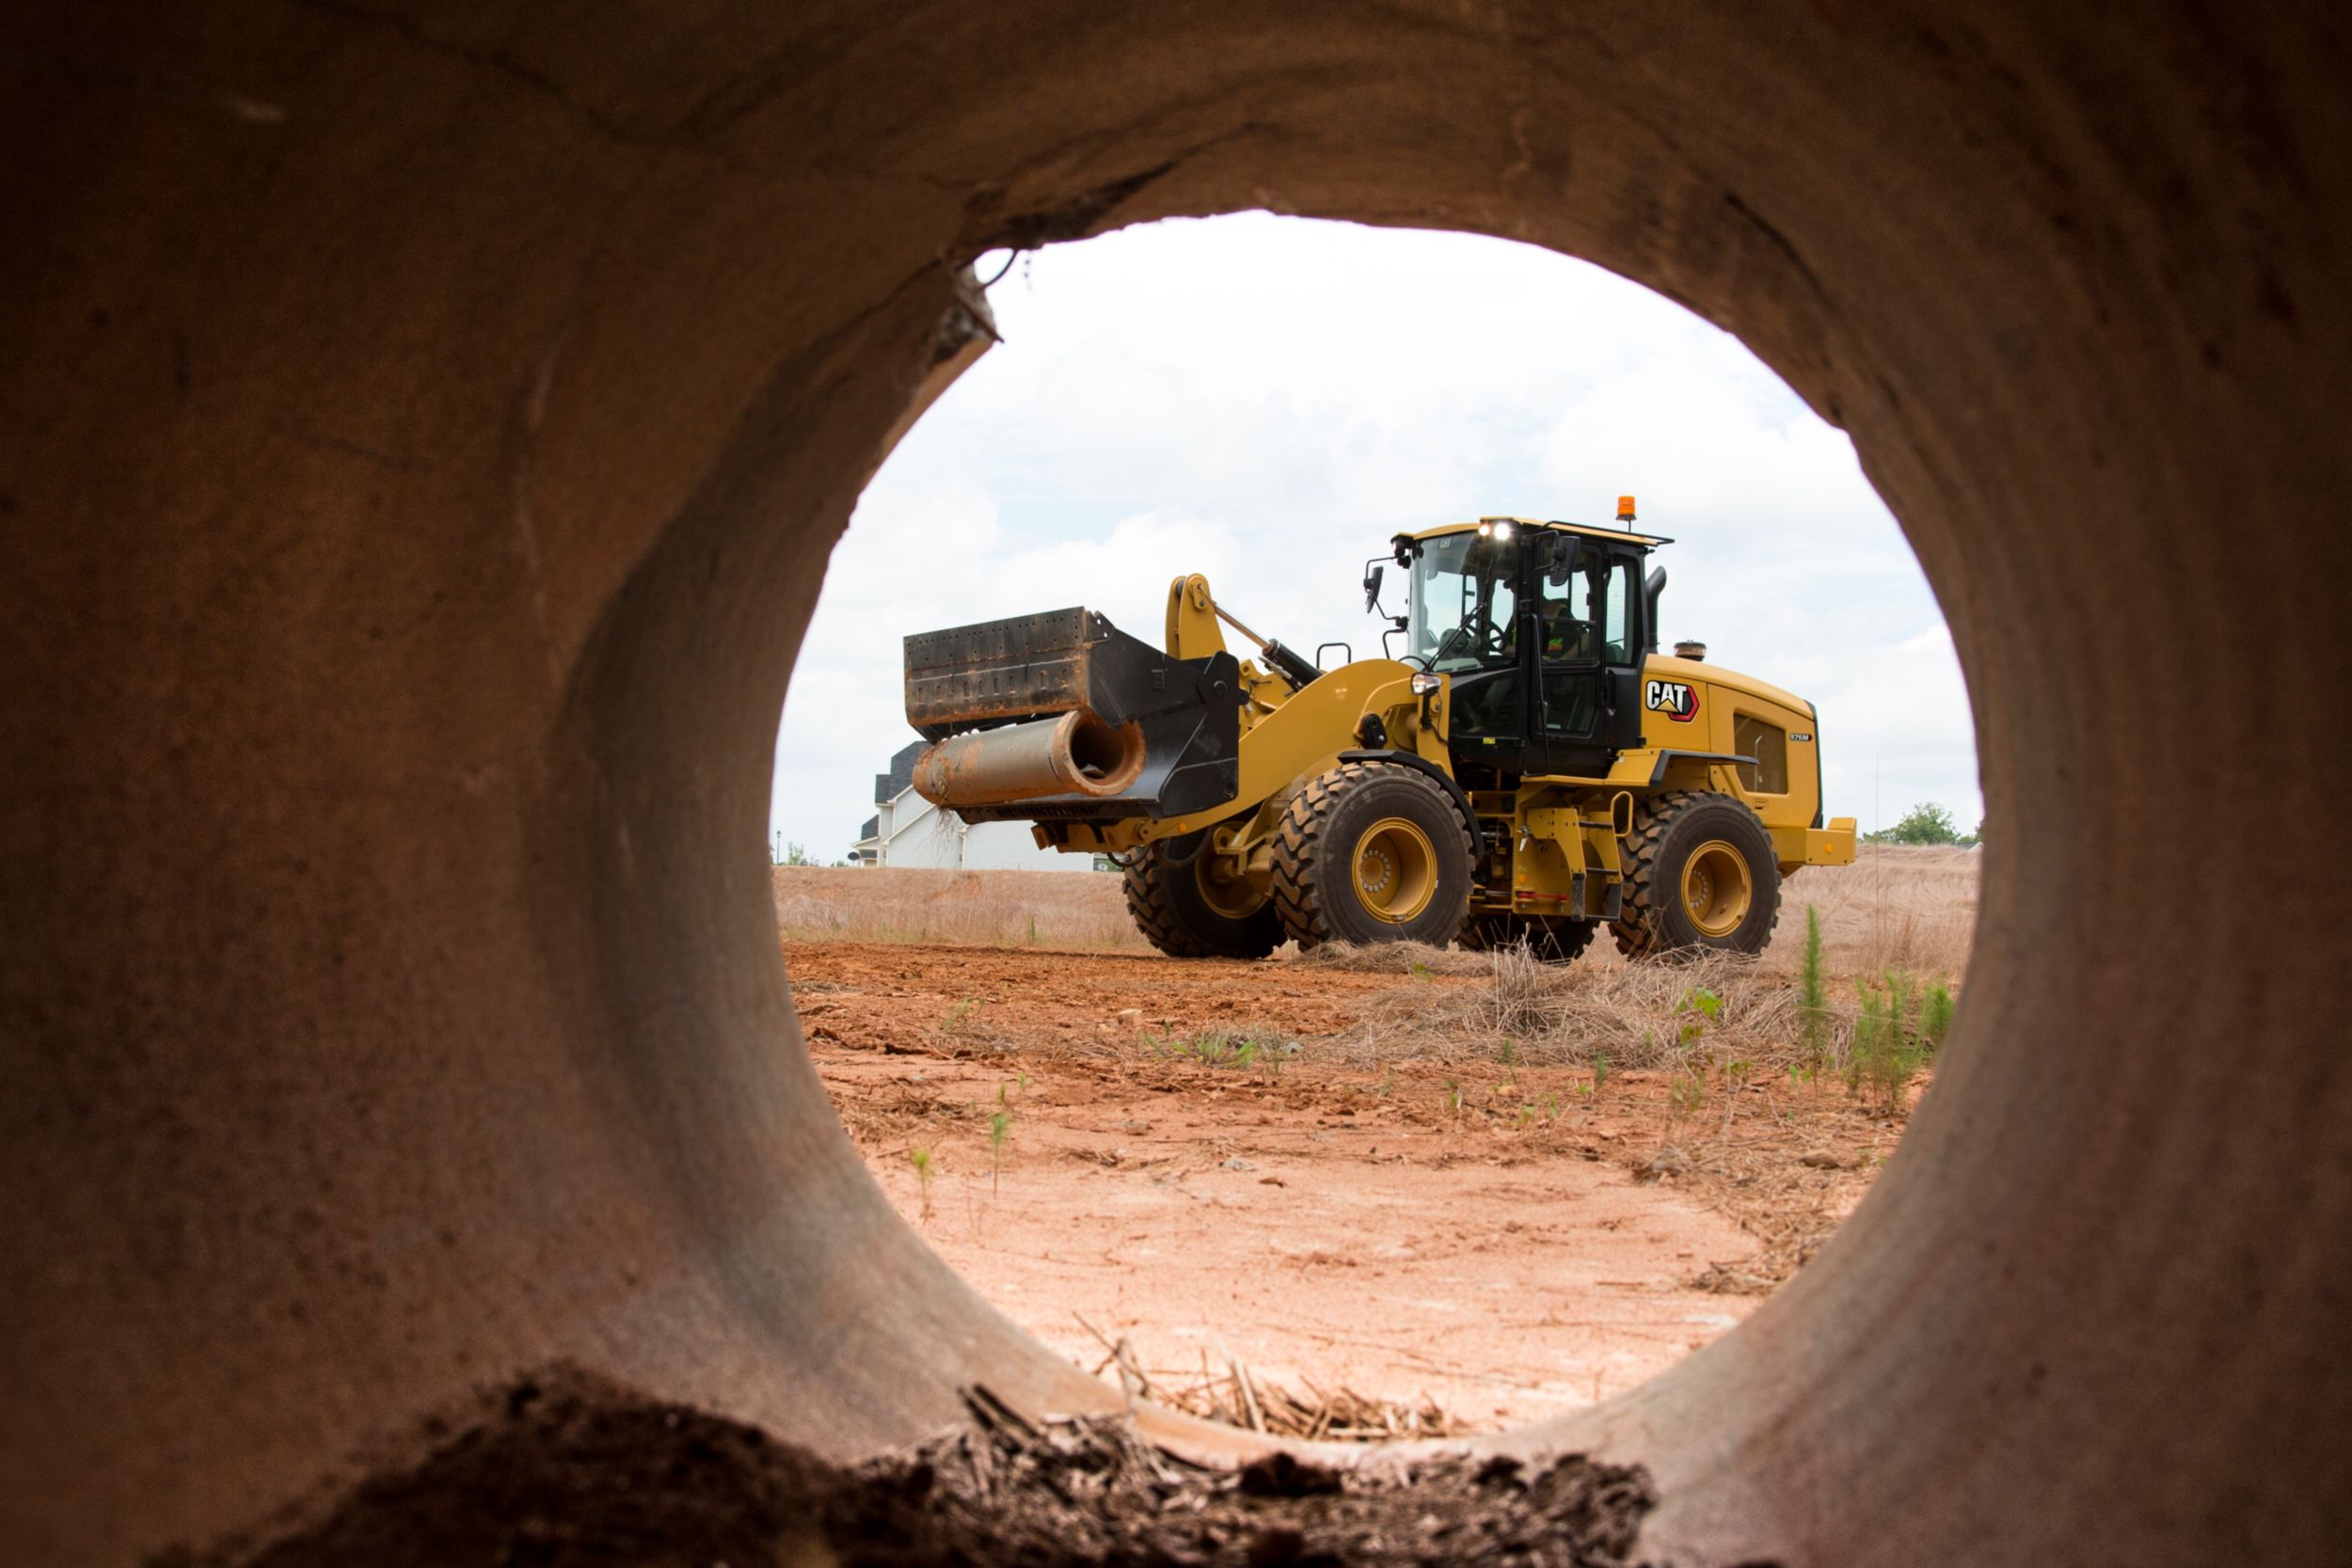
(1498, 1241)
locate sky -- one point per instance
(1266, 399)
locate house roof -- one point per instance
(889, 786)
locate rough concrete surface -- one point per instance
(422, 426)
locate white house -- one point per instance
(907, 830)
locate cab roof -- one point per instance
(1587, 529)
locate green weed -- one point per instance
(921, 1159)
(1935, 1017)
(999, 1132)
(1886, 1057)
(1813, 993)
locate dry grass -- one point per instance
(1542, 1015)
(1239, 1397)
(1896, 907)
(982, 908)
(1417, 959)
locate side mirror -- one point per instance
(1372, 586)
(1558, 559)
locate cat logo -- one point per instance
(1677, 700)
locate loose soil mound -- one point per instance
(573, 1472)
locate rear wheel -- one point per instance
(1700, 874)
(1371, 853)
(1189, 904)
(1553, 939)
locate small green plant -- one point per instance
(921, 1159)
(1527, 1113)
(1418, 971)
(1033, 931)
(1246, 1053)
(1813, 993)
(1453, 1100)
(1551, 1107)
(1935, 1017)
(957, 1014)
(999, 1132)
(1899, 999)
(1698, 1007)
(1686, 1085)
(1884, 1057)
(1601, 1073)
(1387, 1085)
(1686, 1090)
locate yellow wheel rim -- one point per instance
(1225, 886)
(1716, 890)
(1396, 870)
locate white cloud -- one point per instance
(1267, 400)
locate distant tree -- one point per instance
(1927, 823)
(795, 854)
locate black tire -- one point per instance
(1362, 815)
(1553, 939)
(1175, 915)
(1669, 830)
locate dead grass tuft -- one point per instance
(1639, 1014)
(1417, 959)
(1238, 1397)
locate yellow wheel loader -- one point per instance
(1526, 768)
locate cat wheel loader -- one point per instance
(1527, 767)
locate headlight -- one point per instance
(1424, 683)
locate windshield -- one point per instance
(1463, 601)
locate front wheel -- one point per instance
(1371, 853)
(1189, 906)
(1700, 875)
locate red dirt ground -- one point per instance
(1501, 1241)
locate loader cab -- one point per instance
(1542, 628)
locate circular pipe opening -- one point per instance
(1103, 758)
(394, 1004)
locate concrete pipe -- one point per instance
(1071, 754)
(422, 430)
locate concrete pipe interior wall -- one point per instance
(425, 424)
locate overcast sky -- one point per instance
(1267, 400)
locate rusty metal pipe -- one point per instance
(1071, 753)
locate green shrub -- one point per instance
(1813, 993)
(1935, 1017)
